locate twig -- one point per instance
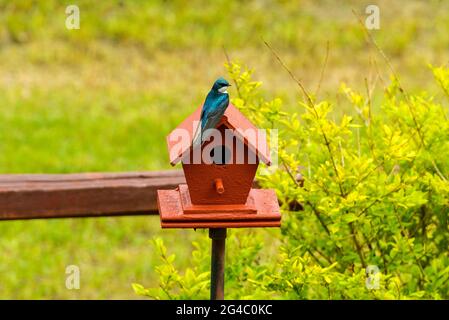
(438, 171)
(304, 91)
(379, 199)
(369, 103)
(382, 53)
(314, 257)
(446, 92)
(369, 93)
(396, 77)
(323, 68)
(376, 68)
(320, 219)
(314, 209)
(368, 174)
(404, 234)
(312, 105)
(234, 80)
(382, 255)
(300, 238)
(290, 173)
(357, 244)
(401, 89)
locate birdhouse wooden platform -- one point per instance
(219, 175)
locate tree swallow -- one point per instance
(214, 107)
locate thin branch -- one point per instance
(396, 77)
(379, 199)
(318, 216)
(300, 238)
(366, 176)
(304, 91)
(369, 93)
(406, 235)
(290, 173)
(401, 89)
(376, 68)
(382, 53)
(312, 105)
(445, 90)
(357, 244)
(323, 255)
(382, 255)
(234, 80)
(438, 171)
(314, 257)
(323, 68)
(314, 209)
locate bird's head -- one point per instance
(221, 85)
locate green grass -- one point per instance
(103, 98)
(111, 253)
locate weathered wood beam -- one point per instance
(32, 196)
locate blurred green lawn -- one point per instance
(102, 98)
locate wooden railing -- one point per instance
(32, 196)
(42, 196)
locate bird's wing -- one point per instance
(211, 114)
(214, 110)
(197, 136)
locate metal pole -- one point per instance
(217, 263)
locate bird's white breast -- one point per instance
(223, 90)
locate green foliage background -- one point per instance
(92, 100)
(374, 190)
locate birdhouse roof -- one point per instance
(232, 119)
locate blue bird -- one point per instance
(214, 107)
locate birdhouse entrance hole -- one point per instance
(220, 155)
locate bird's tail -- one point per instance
(197, 137)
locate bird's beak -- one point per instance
(229, 85)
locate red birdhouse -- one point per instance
(219, 175)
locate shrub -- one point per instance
(374, 192)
